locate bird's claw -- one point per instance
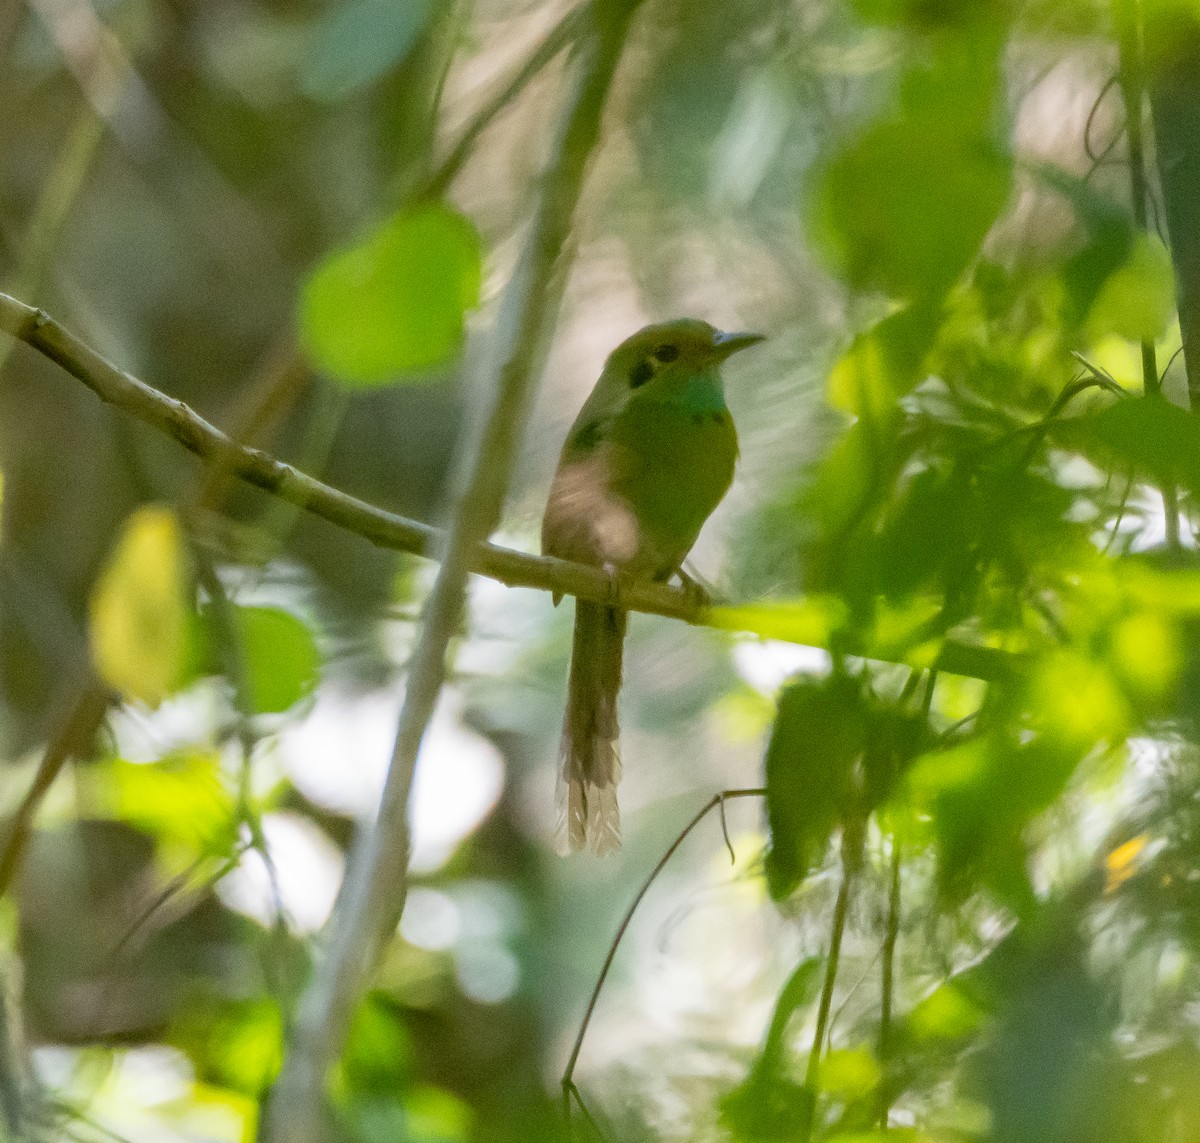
(698, 596)
(613, 598)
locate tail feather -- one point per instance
(590, 767)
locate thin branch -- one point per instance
(386, 529)
(231, 649)
(169, 892)
(890, 936)
(717, 800)
(74, 736)
(840, 909)
(372, 896)
(564, 32)
(1099, 157)
(1127, 19)
(588, 1117)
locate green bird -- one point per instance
(647, 460)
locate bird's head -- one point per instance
(673, 349)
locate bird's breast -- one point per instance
(586, 519)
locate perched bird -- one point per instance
(647, 460)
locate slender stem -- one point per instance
(373, 894)
(74, 736)
(840, 909)
(566, 30)
(891, 934)
(717, 800)
(1127, 20)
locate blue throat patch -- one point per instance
(701, 393)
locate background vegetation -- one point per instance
(951, 671)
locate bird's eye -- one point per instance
(666, 353)
(641, 372)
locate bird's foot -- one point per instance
(699, 596)
(616, 584)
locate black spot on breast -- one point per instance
(718, 417)
(641, 373)
(588, 436)
(697, 418)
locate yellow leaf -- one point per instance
(849, 1073)
(1147, 653)
(140, 607)
(810, 621)
(1078, 700)
(1122, 863)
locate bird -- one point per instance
(648, 458)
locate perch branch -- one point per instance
(386, 529)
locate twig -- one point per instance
(1126, 18)
(840, 909)
(235, 667)
(386, 529)
(566, 30)
(890, 936)
(172, 888)
(74, 736)
(1099, 157)
(568, 1076)
(725, 834)
(1097, 378)
(588, 1117)
(373, 893)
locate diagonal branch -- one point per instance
(372, 897)
(385, 529)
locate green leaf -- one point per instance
(279, 655)
(237, 1044)
(1137, 299)
(282, 661)
(947, 1013)
(904, 208)
(358, 42)
(848, 1074)
(181, 800)
(1149, 436)
(378, 1055)
(768, 1104)
(1111, 234)
(983, 794)
(883, 363)
(812, 620)
(819, 732)
(395, 303)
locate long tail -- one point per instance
(588, 817)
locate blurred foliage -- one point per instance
(949, 444)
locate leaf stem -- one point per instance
(838, 929)
(1131, 76)
(887, 986)
(715, 802)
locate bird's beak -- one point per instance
(727, 344)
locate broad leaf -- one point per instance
(359, 41)
(819, 733)
(395, 303)
(140, 609)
